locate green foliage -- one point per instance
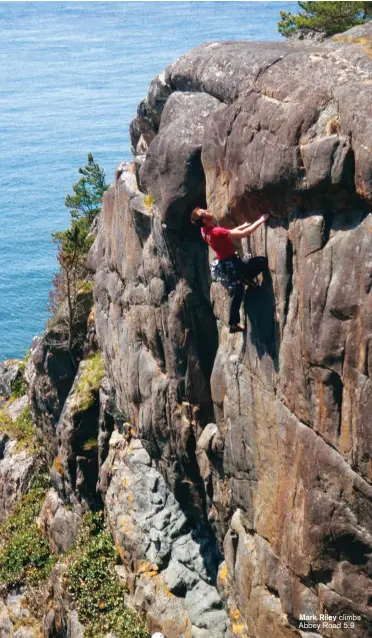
(325, 17)
(25, 556)
(85, 287)
(84, 205)
(22, 429)
(75, 242)
(94, 586)
(86, 201)
(88, 384)
(19, 385)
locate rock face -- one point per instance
(9, 371)
(17, 466)
(171, 568)
(263, 439)
(50, 373)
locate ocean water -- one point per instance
(71, 76)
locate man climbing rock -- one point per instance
(237, 270)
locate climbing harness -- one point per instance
(226, 271)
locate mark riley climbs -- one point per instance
(238, 271)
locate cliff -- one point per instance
(234, 470)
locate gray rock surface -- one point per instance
(77, 435)
(16, 471)
(51, 370)
(169, 567)
(6, 625)
(59, 524)
(263, 438)
(280, 107)
(17, 466)
(16, 620)
(172, 172)
(9, 371)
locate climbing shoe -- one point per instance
(250, 283)
(236, 328)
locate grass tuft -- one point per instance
(88, 384)
(19, 385)
(22, 429)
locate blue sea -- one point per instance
(71, 76)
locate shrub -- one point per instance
(19, 385)
(25, 556)
(88, 384)
(22, 429)
(94, 586)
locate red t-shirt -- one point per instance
(219, 239)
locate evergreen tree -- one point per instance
(325, 17)
(67, 299)
(87, 199)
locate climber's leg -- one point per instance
(236, 297)
(254, 267)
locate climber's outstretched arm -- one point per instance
(247, 229)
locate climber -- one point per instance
(237, 270)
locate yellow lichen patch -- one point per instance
(91, 318)
(148, 200)
(234, 614)
(150, 574)
(57, 466)
(333, 126)
(365, 43)
(125, 482)
(164, 589)
(223, 573)
(147, 568)
(352, 40)
(160, 586)
(130, 498)
(238, 630)
(119, 550)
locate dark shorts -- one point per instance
(239, 271)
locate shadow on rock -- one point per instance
(259, 306)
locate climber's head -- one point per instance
(202, 218)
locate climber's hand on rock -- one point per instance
(265, 217)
